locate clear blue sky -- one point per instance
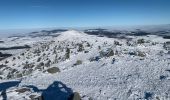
(82, 13)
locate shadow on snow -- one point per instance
(4, 86)
(56, 91)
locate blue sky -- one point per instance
(82, 13)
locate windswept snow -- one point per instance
(99, 68)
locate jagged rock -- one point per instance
(167, 45)
(80, 47)
(9, 76)
(19, 75)
(141, 54)
(110, 53)
(117, 43)
(107, 53)
(40, 66)
(26, 66)
(48, 63)
(140, 41)
(39, 59)
(27, 72)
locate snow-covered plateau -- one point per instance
(77, 65)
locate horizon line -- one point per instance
(72, 27)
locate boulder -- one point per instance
(35, 97)
(75, 96)
(79, 62)
(53, 70)
(22, 90)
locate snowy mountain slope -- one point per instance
(99, 68)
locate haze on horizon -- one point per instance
(22, 14)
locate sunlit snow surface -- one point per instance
(128, 78)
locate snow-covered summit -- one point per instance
(70, 34)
